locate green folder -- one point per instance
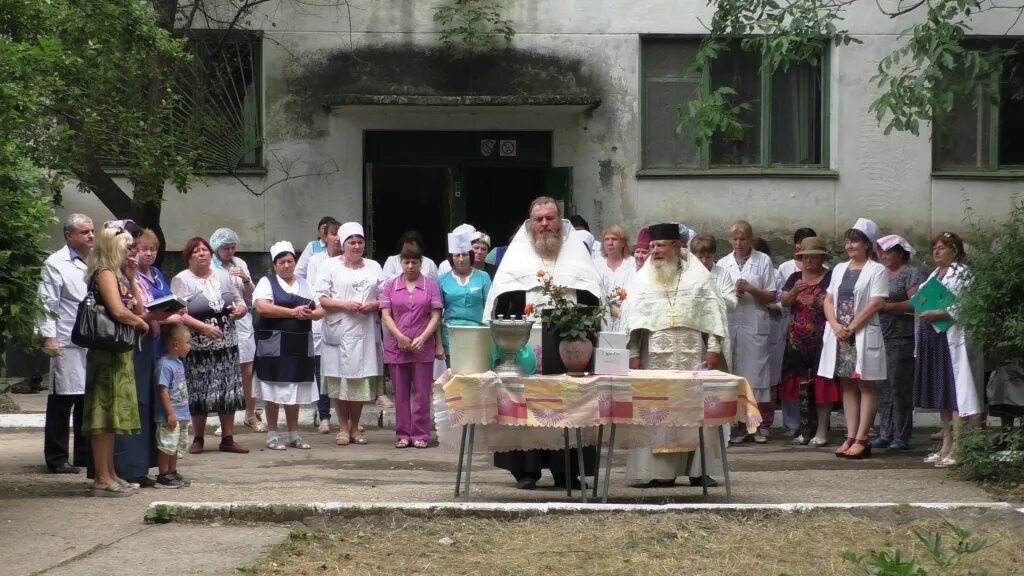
(933, 295)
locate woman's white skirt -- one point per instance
(287, 393)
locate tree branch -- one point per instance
(899, 11)
(287, 176)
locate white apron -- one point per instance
(351, 342)
(750, 324)
(872, 283)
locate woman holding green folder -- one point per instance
(942, 370)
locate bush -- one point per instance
(992, 302)
(991, 455)
(25, 212)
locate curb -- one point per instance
(372, 416)
(290, 512)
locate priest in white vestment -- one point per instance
(676, 320)
(542, 243)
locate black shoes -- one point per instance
(65, 468)
(527, 483)
(703, 481)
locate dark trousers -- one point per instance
(59, 409)
(323, 403)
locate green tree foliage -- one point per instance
(73, 73)
(25, 210)
(919, 81)
(992, 304)
(471, 26)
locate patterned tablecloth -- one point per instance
(651, 408)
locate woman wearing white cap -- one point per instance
(481, 246)
(464, 289)
(896, 392)
(853, 349)
(285, 372)
(351, 363)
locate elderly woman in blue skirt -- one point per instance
(284, 364)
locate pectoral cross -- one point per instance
(671, 318)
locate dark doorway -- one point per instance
(497, 198)
(409, 198)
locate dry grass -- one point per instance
(693, 544)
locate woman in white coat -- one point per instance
(942, 370)
(351, 359)
(853, 350)
(749, 323)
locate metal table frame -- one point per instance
(466, 462)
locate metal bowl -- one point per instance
(509, 336)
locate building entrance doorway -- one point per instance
(497, 198)
(432, 181)
(409, 198)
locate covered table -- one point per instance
(647, 408)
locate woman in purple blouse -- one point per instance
(411, 310)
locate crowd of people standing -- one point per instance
(328, 322)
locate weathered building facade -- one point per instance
(399, 133)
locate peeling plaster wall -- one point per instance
(885, 178)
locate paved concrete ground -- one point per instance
(48, 525)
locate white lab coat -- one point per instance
(872, 283)
(621, 277)
(749, 323)
(351, 342)
(313, 248)
(62, 288)
(726, 287)
(313, 269)
(967, 400)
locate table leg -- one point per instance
(462, 454)
(597, 464)
(579, 457)
(568, 466)
(469, 462)
(703, 463)
(725, 464)
(608, 465)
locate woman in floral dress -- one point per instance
(804, 295)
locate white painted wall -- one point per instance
(884, 178)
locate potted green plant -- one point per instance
(573, 324)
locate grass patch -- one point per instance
(767, 543)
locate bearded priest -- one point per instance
(542, 243)
(676, 320)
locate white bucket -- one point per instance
(470, 348)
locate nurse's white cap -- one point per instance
(458, 243)
(868, 227)
(280, 248)
(349, 229)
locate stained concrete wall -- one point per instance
(885, 178)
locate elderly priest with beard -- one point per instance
(542, 244)
(676, 320)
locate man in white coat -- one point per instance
(62, 288)
(542, 242)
